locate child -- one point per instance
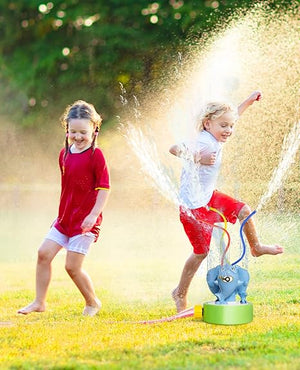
(84, 192)
(197, 191)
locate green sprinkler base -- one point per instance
(227, 314)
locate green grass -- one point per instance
(134, 268)
(61, 338)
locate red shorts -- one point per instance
(199, 233)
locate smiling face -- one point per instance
(81, 133)
(221, 128)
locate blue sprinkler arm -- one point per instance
(242, 238)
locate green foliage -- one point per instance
(57, 51)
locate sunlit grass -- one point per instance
(62, 338)
(134, 267)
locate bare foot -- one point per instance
(92, 310)
(32, 307)
(180, 301)
(266, 249)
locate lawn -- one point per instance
(134, 268)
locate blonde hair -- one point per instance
(213, 111)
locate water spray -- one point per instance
(290, 148)
(250, 51)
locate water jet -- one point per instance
(257, 49)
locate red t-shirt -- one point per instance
(82, 175)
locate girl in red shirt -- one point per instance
(84, 192)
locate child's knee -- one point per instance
(199, 257)
(47, 251)
(244, 212)
(44, 255)
(71, 269)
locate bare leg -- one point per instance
(191, 266)
(257, 249)
(46, 253)
(83, 282)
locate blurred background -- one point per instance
(53, 52)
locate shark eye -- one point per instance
(226, 279)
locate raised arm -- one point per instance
(255, 96)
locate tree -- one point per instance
(57, 51)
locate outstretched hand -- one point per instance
(255, 96)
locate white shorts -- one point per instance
(78, 243)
